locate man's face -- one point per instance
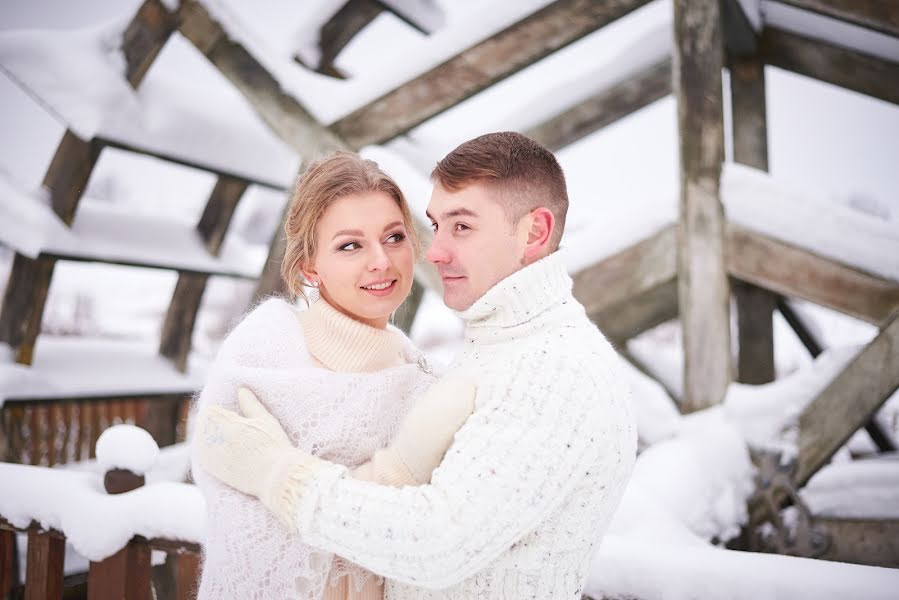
(475, 246)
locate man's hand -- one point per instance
(251, 453)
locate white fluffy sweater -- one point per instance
(528, 488)
(342, 416)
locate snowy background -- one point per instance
(832, 155)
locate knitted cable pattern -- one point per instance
(342, 417)
(529, 486)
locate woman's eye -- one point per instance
(350, 246)
(396, 238)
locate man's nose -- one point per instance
(437, 252)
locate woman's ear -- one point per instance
(311, 275)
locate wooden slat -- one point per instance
(872, 542)
(286, 117)
(144, 38)
(9, 562)
(848, 402)
(270, 282)
(620, 322)
(106, 579)
(219, 210)
(880, 15)
(620, 100)
(44, 566)
(487, 62)
(339, 30)
(755, 327)
(843, 67)
(405, 314)
(68, 173)
(740, 39)
(23, 304)
(796, 272)
(703, 293)
(187, 576)
(629, 273)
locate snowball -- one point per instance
(127, 447)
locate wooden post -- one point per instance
(9, 562)
(703, 290)
(44, 568)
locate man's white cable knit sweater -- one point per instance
(527, 490)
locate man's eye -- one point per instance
(434, 227)
(462, 227)
(350, 246)
(396, 238)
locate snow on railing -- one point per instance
(114, 524)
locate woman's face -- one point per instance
(363, 260)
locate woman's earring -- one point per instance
(314, 283)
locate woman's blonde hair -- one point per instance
(337, 176)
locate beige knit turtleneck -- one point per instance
(345, 345)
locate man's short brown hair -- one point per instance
(523, 175)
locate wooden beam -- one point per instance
(755, 326)
(144, 38)
(23, 304)
(800, 273)
(44, 566)
(750, 115)
(339, 30)
(872, 542)
(219, 210)
(630, 318)
(880, 15)
(9, 561)
(607, 106)
(850, 400)
(740, 39)
(405, 314)
(487, 62)
(629, 273)
(286, 117)
(839, 66)
(178, 327)
(704, 295)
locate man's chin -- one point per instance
(457, 302)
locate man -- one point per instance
(533, 477)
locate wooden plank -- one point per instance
(144, 38)
(286, 117)
(704, 295)
(23, 304)
(138, 576)
(629, 273)
(44, 566)
(483, 64)
(68, 173)
(405, 314)
(339, 30)
(750, 115)
(106, 579)
(607, 106)
(755, 326)
(270, 282)
(848, 402)
(9, 562)
(187, 576)
(800, 273)
(880, 15)
(219, 210)
(839, 66)
(872, 542)
(620, 322)
(740, 39)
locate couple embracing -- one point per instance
(336, 464)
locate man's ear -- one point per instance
(542, 225)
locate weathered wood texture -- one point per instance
(144, 38)
(704, 296)
(9, 562)
(286, 117)
(796, 272)
(740, 39)
(219, 210)
(820, 60)
(125, 574)
(405, 314)
(340, 29)
(68, 173)
(863, 541)
(620, 322)
(487, 62)
(848, 402)
(880, 15)
(607, 106)
(755, 306)
(44, 566)
(23, 304)
(178, 327)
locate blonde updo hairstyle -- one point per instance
(337, 176)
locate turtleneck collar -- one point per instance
(343, 344)
(521, 296)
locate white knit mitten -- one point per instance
(252, 454)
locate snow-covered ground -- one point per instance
(832, 157)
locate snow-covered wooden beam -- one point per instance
(880, 15)
(44, 565)
(848, 402)
(23, 304)
(286, 117)
(622, 99)
(800, 273)
(642, 312)
(703, 291)
(339, 30)
(487, 62)
(219, 210)
(867, 541)
(144, 38)
(629, 273)
(863, 73)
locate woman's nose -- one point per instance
(378, 259)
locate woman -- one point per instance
(336, 376)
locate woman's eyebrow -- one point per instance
(356, 232)
(392, 225)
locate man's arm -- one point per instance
(515, 460)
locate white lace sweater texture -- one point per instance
(531, 482)
(341, 416)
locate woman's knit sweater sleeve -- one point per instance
(537, 430)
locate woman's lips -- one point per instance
(381, 292)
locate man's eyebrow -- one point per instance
(455, 212)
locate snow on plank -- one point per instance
(67, 367)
